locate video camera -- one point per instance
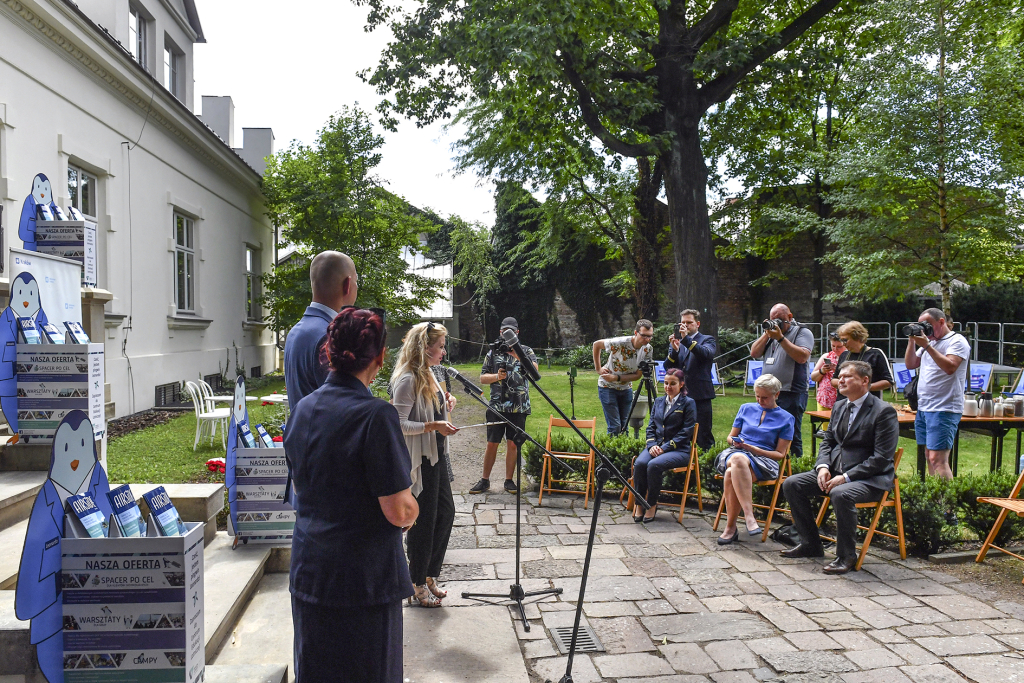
(646, 367)
(917, 329)
(773, 324)
(499, 346)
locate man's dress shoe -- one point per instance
(803, 550)
(840, 565)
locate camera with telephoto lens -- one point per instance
(772, 324)
(646, 367)
(917, 329)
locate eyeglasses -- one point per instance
(843, 339)
(646, 336)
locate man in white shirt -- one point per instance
(940, 389)
(615, 387)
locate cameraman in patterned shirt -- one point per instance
(615, 387)
(510, 396)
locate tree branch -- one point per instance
(719, 89)
(593, 121)
(718, 16)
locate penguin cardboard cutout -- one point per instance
(42, 193)
(239, 416)
(25, 303)
(74, 468)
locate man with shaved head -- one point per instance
(786, 347)
(335, 285)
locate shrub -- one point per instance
(925, 505)
(979, 517)
(620, 449)
(579, 357)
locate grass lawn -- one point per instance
(163, 454)
(974, 448)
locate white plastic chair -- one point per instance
(207, 418)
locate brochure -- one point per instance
(247, 438)
(29, 331)
(91, 516)
(127, 515)
(52, 334)
(77, 332)
(265, 437)
(166, 515)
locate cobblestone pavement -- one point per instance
(671, 606)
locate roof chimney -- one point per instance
(219, 115)
(257, 144)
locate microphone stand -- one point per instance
(605, 471)
(516, 593)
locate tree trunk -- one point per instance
(686, 182)
(647, 227)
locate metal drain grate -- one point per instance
(586, 639)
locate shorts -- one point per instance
(936, 429)
(495, 433)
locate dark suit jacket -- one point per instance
(675, 431)
(304, 370)
(866, 449)
(695, 357)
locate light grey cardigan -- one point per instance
(414, 412)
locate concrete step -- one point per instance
(247, 673)
(17, 494)
(12, 540)
(230, 578)
(21, 457)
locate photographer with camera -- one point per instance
(694, 353)
(510, 396)
(625, 356)
(786, 347)
(940, 354)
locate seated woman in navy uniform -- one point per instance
(669, 434)
(350, 467)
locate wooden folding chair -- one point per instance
(785, 470)
(1011, 504)
(885, 502)
(547, 469)
(691, 468)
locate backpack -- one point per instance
(910, 392)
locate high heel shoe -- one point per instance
(654, 511)
(432, 587)
(727, 541)
(424, 597)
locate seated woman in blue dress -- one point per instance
(350, 467)
(668, 442)
(760, 437)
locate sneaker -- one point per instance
(510, 486)
(481, 486)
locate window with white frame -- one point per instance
(184, 263)
(252, 284)
(137, 35)
(82, 191)
(172, 71)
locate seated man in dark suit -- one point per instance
(694, 353)
(855, 465)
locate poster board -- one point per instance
(71, 240)
(53, 380)
(60, 291)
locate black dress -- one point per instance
(348, 573)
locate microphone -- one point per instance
(454, 374)
(510, 338)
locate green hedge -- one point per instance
(925, 504)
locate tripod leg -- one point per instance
(602, 478)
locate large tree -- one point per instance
(325, 196)
(638, 77)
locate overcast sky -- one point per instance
(290, 67)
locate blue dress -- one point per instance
(761, 428)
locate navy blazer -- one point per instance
(695, 356)
(304, 370)
(674, 432)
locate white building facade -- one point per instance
(99, 97)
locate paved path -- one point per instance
(671, 606)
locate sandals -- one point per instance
(438, 593)
(424, 597)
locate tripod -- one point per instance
(647, 383)
(516, 593)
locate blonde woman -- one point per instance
(423, 408)
(855, 337)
